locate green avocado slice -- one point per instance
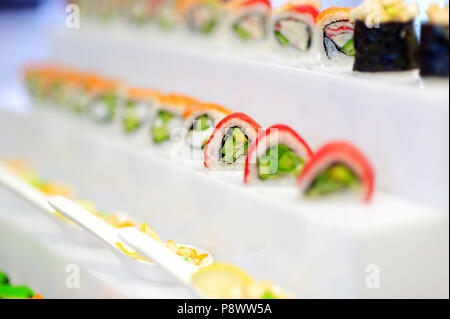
(336, 178)
(279, 161)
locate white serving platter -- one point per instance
(311, 249)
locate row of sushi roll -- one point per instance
(208, 278)
(376, 36)
(227, 139)
(8, 291)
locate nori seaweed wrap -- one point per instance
(433, 50)
(391, 46)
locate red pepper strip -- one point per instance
(253, 125)
(251, 2)
(281, 129)
(351, 157)
(306, 9)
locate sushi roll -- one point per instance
(434, 43)
(170, 109)
(279, 152)
(248, 19)
(138, 109)
(165, 15)
(230, 140)
(138, 11)
(200, 120)
(34, 81)
(105, 98)
(293, 26)
(334, 33)
(200, 16)
(335, 168)
(107, 10)
(384, 36)
(79, 95)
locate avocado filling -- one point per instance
(160, 129)
(79, 100)
(234, 145)
(349, 48)
(57, 93)
(279, 161)
(201, 123)
(135, 115)
(338, 177)
(251, 26)
(200, 131)
(203, 18)
(293, 32)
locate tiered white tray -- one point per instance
(312, 249)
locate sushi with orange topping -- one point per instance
(200, 120)
(293, 26)
(334, 36)
(105, 99)
(139, 107)
(248, 19)
(168, 118)
(200, 16)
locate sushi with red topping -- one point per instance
(337, 167)
(293, 25)
(278, 152)
(248, 19)
(229, 143)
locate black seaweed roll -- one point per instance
(434, 43)
(384, 37)
(392, 46)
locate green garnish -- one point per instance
(349, 48)
(17, 292)
(4, 280)
(281, 38)
(159, 128)
(235, 144)
(241, 32)
(268, 295)
(278, 161)
(337, 177)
